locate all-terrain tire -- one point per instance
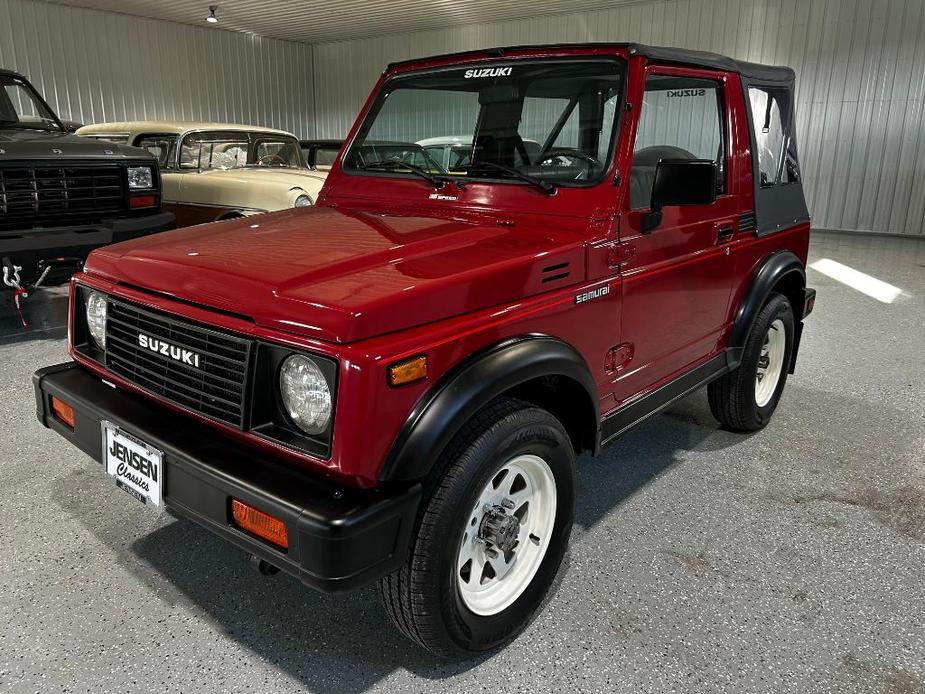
(423, 597)
(736, 399)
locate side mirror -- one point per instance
(680, 182)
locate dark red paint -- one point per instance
(377, 272)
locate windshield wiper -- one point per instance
(435, 181)
(545, 186)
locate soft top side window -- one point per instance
(775, 147)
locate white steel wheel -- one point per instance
(506, 535)
(770, 363)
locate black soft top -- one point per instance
(755, 71)
(682, 56)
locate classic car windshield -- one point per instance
(235, 150)
(552, 120)
(20, 107)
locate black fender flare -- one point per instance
(472, 384)
(773, 269)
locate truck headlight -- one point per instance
(303, 201)
(306, 395)
(96, 318)
(140, 177)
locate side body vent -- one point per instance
(553, 273)
(747, 222)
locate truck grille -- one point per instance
(42, 193)
(214, 388)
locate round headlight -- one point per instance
(303, 201)
(96, 318)
(305, 393)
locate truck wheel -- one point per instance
(491, 535)
(745, 399)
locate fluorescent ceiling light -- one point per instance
(871, 286)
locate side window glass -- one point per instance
(681, 118)
(775, 149)
(214, 150)
(161, 147)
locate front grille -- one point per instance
(216, 388)
(43, 193)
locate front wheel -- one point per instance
(745, 399)
(492, 535)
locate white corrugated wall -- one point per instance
(101, 66)
(860, 72)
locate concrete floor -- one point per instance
(703, 561)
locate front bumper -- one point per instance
(339, 538)
(83, 236)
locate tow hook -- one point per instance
(11, 279)
(262, 566)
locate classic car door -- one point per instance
(677, 282)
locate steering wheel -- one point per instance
(268, 159)
(590, 163)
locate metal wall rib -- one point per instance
(95, 66)
(861, 83)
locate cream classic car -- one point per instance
(212, 171)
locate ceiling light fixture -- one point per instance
(212, 19)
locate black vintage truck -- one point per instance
(61, 196)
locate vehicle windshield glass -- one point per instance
(551, 120)
(238, 150)
(324, 156)
(20, 107)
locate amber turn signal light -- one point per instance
(139, 201)
(408, 371)
(261, 524)
(63, 411)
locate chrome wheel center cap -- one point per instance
(499, 529)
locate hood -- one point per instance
(293, 178)
(341, 275)
(16, 144)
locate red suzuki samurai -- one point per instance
(394, 385)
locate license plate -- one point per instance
(137, 467)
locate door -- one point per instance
(676, 283)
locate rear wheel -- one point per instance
(745, 399)
(491, 536)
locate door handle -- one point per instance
(724, 232)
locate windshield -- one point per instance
(321, 157)
(20, 107)
(551, 120)
(238, 150)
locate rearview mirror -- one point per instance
(680, 182)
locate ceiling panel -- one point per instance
(335, 20)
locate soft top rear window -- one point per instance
(552, 120)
